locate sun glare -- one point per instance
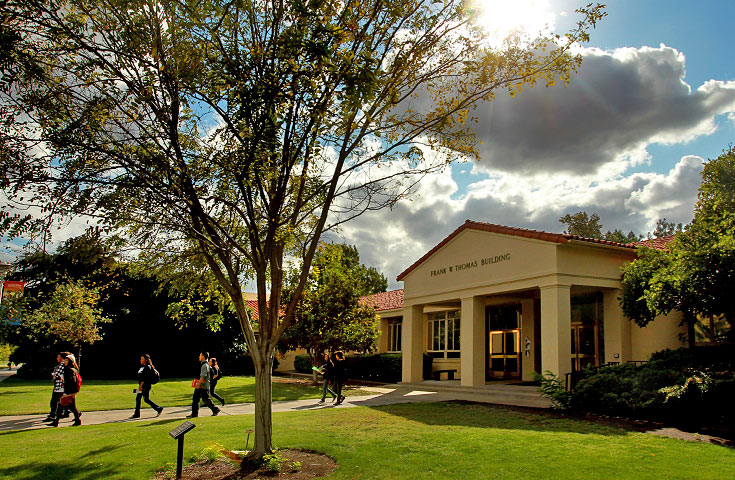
(502, 17)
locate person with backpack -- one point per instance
(201, 387)
(147, 377)
(72, 383)
(216, 374)
(57, 375)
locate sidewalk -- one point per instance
(390, 394)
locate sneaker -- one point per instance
(76, 423)
(135, 415)
(192, 416)
(223, 402)
(215, 412)
(321, 401)
(49, 418)
(55, 423)
(158, 412)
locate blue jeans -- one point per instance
(325, 389)
(144, 395)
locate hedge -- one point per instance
(379, 367)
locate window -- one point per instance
(443, 329)
(394, 335)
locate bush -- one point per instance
(302, 364)
(379, 367)
(675, 386)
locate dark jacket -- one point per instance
(145, 374)
(70, 380)
(215, 373)
(339, 370)
(328, 370)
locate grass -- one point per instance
(20, 397)
(417, 441)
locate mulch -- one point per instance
(297, 465)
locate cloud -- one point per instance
(391, 240)
(619, 102)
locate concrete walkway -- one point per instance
(428, 391)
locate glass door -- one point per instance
(584, 346)
(504, 342)
(586, 314)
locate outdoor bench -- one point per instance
(450, 374)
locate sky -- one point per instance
(626, 139)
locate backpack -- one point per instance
(155, 376)
(79, 381)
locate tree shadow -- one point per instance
(437, 412)
(487, 415)
(59, 470)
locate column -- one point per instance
(412, 344)
(527, 342)
(472, 342)
(556, 324)
(616, 329)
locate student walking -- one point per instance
(57, 375)
(327, 371)
(340, 375)
(201, 388)
(71, 388)
(216, 374)
(147, 376)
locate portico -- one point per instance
(497, 302)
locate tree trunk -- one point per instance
(79, 357)
(690, 320)
(263, 417)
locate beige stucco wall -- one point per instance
(477, 260)
(585, 263)
(285, 361)
(663, 332)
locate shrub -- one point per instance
(302, 363)
(676, 386)
(272, 462)
(552, 387)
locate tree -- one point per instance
(329, 316)
(231, 135)
(589, 226)
(707, 249)
(695, 274)
(619, 237)
(582, 224)
(72, 314)
(665, 228)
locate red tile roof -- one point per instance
(660, 243)
(253, 304)
(384, 300)
(518, 232)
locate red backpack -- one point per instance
(79, 381)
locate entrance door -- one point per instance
(584, 346)
(585, 330)
(504, 353)
(504, 342)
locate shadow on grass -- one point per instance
(483, 415)
(56, 469)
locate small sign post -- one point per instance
(178, 434)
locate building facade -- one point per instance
(495, 302)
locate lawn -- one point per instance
(404, 441)
(18, 397)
